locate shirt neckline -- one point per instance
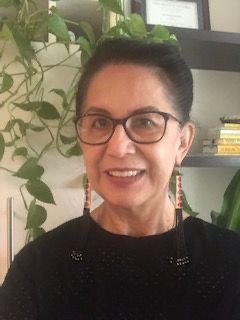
(99, 229)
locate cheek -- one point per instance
(92, 158)
(163, 162)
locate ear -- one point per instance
(186, 139)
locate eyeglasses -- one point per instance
(141, 127)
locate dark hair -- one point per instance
(165, 59)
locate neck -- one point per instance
(136, 222)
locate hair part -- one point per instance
(164, 59)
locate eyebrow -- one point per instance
(104, 111)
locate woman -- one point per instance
(135, 256)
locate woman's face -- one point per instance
(125, 173)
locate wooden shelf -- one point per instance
(210, 50)
(214, 161)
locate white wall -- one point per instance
(224, 15)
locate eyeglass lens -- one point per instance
(147, 127)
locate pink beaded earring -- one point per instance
(87, 203)
(182, 257)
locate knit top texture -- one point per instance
(81, 271)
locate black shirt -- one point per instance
(81, 271)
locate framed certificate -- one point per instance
(193, 14)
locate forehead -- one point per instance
(123, 88)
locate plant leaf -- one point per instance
(2, 146)
(67, 140)
(37, 232)
(30, 170)
(21, 124)
(36, 128)
(74, 151)
(29, 106)
(84, 58)
(136, 25)
(111, 5)
(88, 30)
(63, 95)
(6, 33)
(7, 82)
(160, 32)
(6, 3)
(84, 45)
(23, 44)
(229, 216)
(37, 215)
(186, 205)
(58, 27)
(40, 191)
(20, 152)
(48, 111)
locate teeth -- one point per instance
(129, 173)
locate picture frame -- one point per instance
(192, 14)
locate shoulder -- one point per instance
(210, 231)
(54, 242)
(217, 241)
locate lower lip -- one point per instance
(125, 181)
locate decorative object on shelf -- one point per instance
(231, 119)
(229, 216)
(192, 14)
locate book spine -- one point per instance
(231, 125)
(222, 149)
(220, 135)
(228, 149)
(228, 136)
(213, 142)
(224, 131)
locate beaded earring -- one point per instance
(182, 257)
(87, 203)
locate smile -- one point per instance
(124, 173)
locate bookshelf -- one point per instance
(209, 50)
(208, 160)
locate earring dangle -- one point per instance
(87, 203)
(182, 257)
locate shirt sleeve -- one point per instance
(17, 296)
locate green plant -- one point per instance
(23, 91)
(229, 216)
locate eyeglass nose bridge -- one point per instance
(121, 122)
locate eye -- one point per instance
(99, 122)
(143, 122)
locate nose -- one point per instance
(120, 144)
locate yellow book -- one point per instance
(222, 149)
(231, 125)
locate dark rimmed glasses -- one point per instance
(142, 127)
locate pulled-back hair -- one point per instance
(164, 59)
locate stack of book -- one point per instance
(224, 139)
